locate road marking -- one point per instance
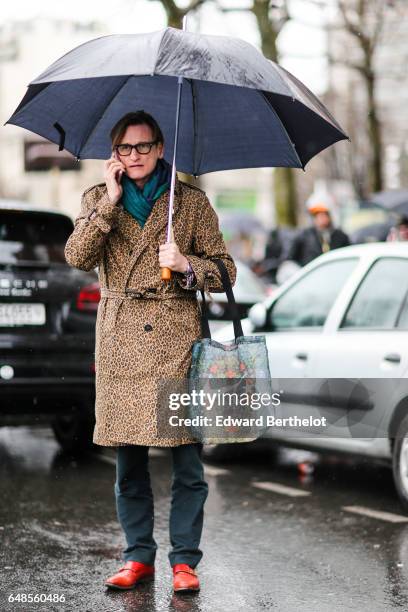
(378, 514)
(275, 487)
(209, 470)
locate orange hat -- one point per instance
(318, 208)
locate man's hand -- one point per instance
(114, 170)
(170, 257)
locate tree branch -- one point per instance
(194, 5)
(378, 27)
(232, 9)
(175, 14)
(351, 26)
(170, 6)
(348, 64)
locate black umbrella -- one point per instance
(220, 100)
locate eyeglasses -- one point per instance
(143, 148)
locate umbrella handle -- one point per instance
(166, 274)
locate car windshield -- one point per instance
(308, 302)
(27, 236)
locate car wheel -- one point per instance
(400, 462)
(74, 432)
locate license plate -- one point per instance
(12, 315)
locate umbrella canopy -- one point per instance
(241, 223)
(238, 109)
(395, 200)
(376, 232)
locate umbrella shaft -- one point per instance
(173, 169)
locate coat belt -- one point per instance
(134, 294)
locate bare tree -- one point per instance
(271, 16)
(363, 22)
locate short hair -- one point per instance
(135, 118)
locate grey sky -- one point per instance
(303, 46)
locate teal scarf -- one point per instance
(139, 202)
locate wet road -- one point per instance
(274, 539)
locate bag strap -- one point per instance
(205, 326)
(226, 283)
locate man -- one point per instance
(144, 333)
(399, 233)
(320, 238)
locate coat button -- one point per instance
(148, 327)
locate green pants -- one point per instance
(134, 502)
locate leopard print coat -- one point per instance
(145, 328)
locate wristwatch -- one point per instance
(189, 276)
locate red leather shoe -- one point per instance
(131, 574)
(185, 578)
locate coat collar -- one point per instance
(159, 214)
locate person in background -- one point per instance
(320, 238)
(399, 233)
(276, 250)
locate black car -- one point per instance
(47, 326)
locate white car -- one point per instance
(345, 315)
(248, 290)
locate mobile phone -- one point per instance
(120, 173)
